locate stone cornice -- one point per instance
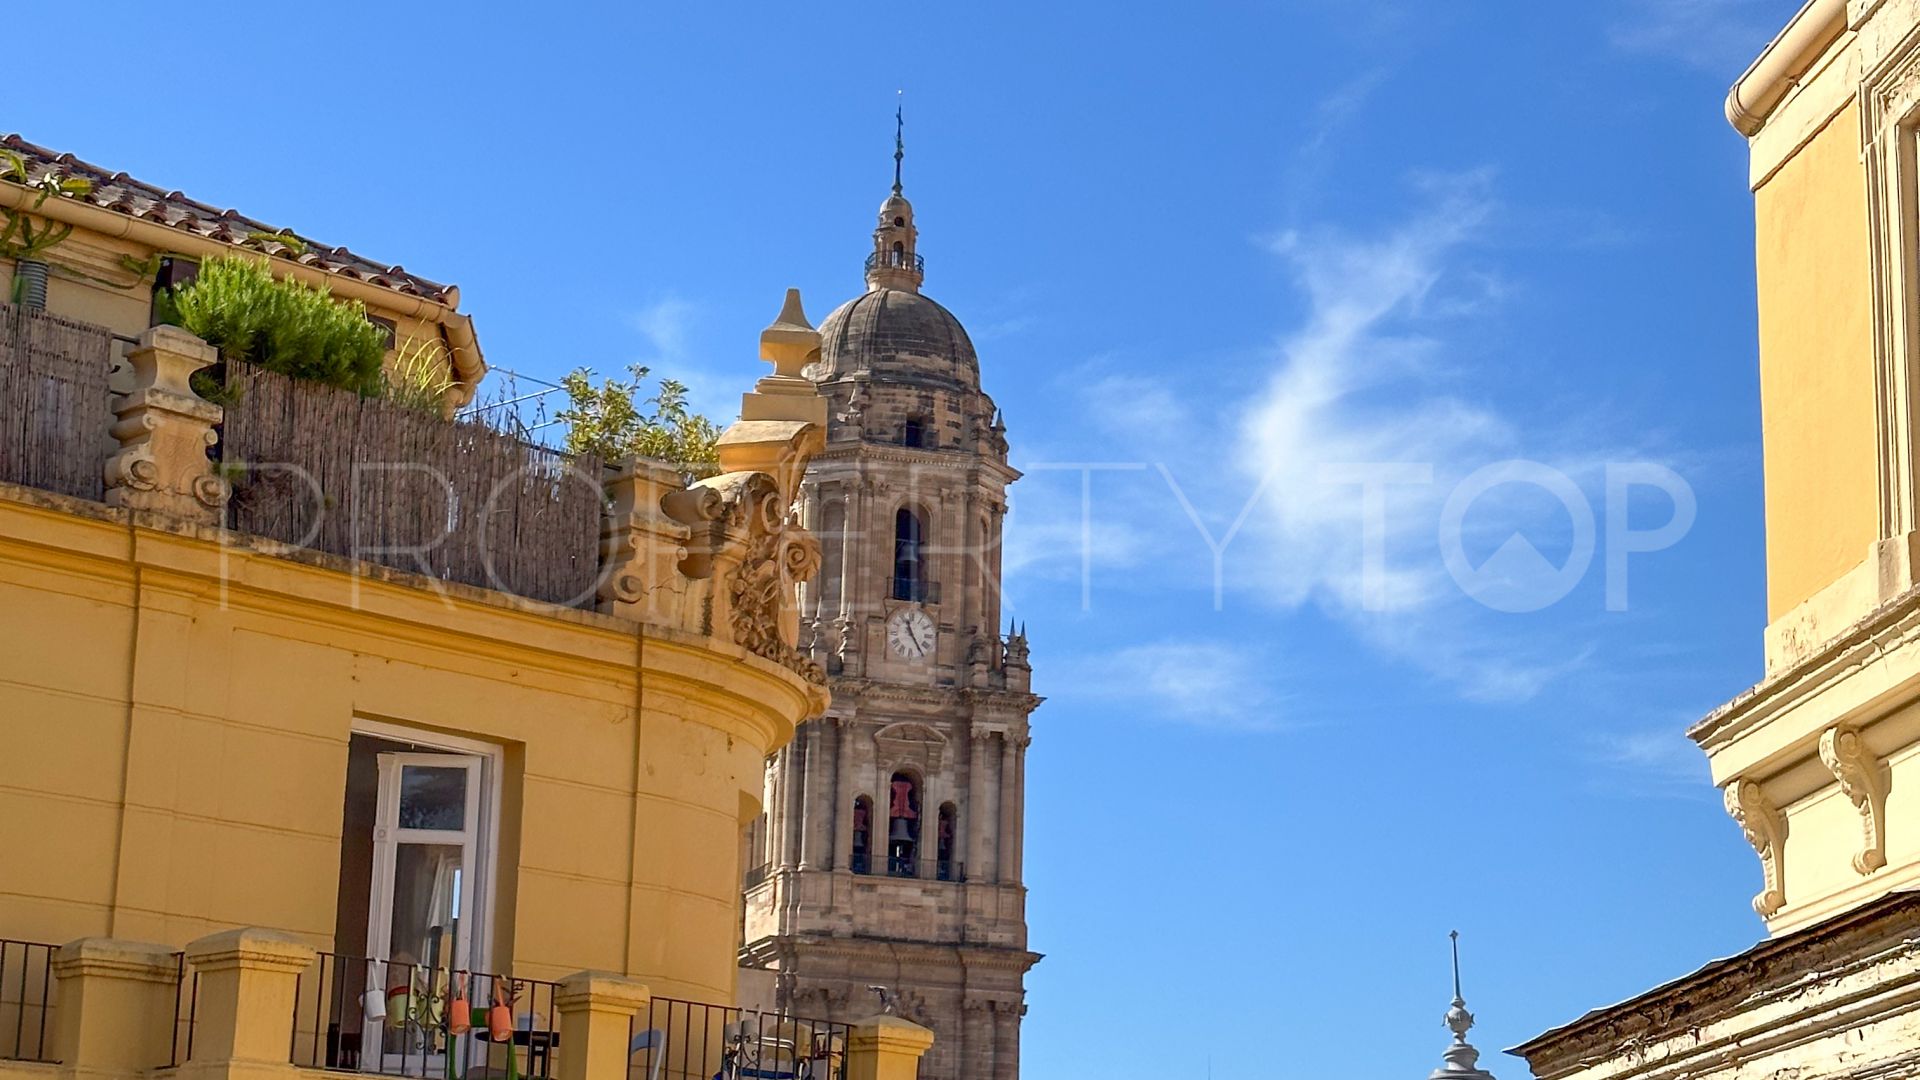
(854, 453)
(1848, 972)
(862, 691)
(864, 947)
(1894, 626)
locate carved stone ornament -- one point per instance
(778, 554)
(1846, 755)
(1766, 830)
(164, 430)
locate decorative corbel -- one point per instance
(1766, 830)
(1845, 754)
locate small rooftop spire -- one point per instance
(899, 136)
(1460, 1061)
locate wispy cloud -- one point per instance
(1204, 683)
(1650, 762)
(1329, 485)
(1717, 36)
(669, 328)
(1364, 393)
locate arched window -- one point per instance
(913, 433)
(903, 826)
(947, 870)
(862, 836)
(899, 254)
(909, 556)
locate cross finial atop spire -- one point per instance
(899, 136)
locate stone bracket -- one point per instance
(1766, 829)
(1845, 754)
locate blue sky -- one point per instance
(1232, 250)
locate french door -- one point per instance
(427, 884)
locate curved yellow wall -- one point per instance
(177, 749)
(1816, 366)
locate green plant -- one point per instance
(419, 376)
(20, 238)
(283, 326)
(608, 421)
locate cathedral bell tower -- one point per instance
(890, 850)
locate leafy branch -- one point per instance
(613, 422)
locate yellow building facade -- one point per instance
(227, 753)
(1819, 763)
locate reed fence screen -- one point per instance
(55, 412)
(370, 479)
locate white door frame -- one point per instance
(483, 877)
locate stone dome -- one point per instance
(897, 336)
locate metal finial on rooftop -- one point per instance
(1460, 1061)
(899, 136)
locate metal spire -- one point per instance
(899, 136)
(1461, 1060)
(1454, 936)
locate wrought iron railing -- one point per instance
(897, 260)
(928, 869)
(397, 1019)
(757, 875)
(26, 1000)
(186, 1005)
(692, 1040)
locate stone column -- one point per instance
(1009, 805)
(843, 794)
(114, 1007)
(1020, 809)
(164, 430)
(976, 1052)
(1006, 1042)
(596, 1013)
(815, 853)
(976, 820)
(886, 1048)
(849, 531)
(792, 781)
(243, 1014)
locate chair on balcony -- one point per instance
(652, 1039)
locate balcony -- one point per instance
(895, 260)
(376, 1018)
(928, 869)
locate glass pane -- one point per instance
(433, 797)
(426, 899)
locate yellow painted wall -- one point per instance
(1816, 366)
(177, 716)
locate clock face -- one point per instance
(910, 634)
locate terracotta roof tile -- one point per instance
(122, 194)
